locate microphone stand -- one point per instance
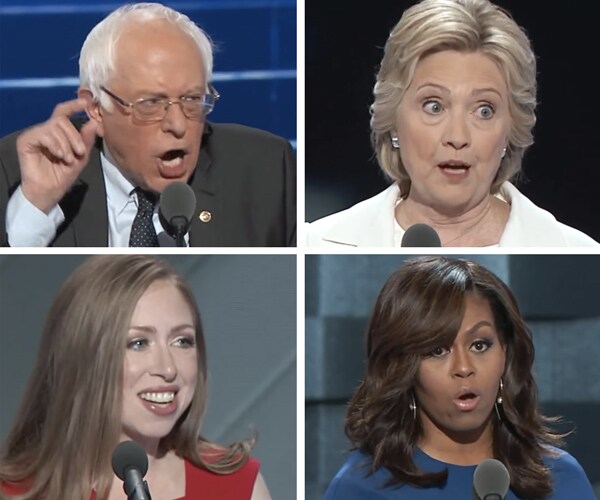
(180, 224)
(135, 487)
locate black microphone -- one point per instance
(175, 210)
(420, 235)
(130, 464)
(491, 480)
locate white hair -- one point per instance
(98, 53)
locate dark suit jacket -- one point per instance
(245, 177)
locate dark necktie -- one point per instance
(143, 233)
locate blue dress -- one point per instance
(352, 483)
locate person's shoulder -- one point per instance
(568, 475)
(354, 480)
(225, 485)
(352, 225)
(13, 489)
(8, 146)
(530, 225)
(576, 238)
(229, 132)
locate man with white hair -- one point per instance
(145, 85)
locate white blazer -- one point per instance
(370, 223)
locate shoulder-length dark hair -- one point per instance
(69, 422)
(420, 308)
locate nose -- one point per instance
(462, 366)
(174, 122)
(163, 364)
(456, 133)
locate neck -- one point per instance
(479, 225)
(150, 446)
(458, 448)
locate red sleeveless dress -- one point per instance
(200, 483)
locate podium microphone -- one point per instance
(420, 235)
(491, 480)
(130, 464)
(176, 208)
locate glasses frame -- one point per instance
(208, 106)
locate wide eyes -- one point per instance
(434, 107)
(478, 347)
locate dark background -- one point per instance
(344, 46)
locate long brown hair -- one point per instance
(420, 308)
(69, 421)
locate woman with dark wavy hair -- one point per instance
(449, 384)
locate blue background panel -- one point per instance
(254, 67)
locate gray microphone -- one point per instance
(175, 210)
(130, 464)
(491, 480)
(421, 235)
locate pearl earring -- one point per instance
(499, 401)
(413, 406)
(503, 152)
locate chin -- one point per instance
(152, 431)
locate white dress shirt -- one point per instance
(27, 226)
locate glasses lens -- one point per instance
(193, 107)
(150, 109)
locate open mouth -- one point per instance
(172, 158)
(454, 167)
(467, 401)
(160, 398)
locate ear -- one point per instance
(92, 108)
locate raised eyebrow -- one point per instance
(475, 328)
(486, 90)
(441, 88)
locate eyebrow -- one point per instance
(152, 93)
(477, 326)
(152, 329)
(475, 92)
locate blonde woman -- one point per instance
(453, 113)
(122, 358)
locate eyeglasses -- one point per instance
(155, 108)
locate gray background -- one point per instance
(557, 294)
(248, 307)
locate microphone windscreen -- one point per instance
(421, 235)
(491, 480)
(127, 455)
(177, 200)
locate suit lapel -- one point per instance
(90, 226)
(203, 228)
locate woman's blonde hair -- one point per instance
(467, 26)
(69, 422)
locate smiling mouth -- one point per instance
(162, 398)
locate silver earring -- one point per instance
(413, 405)
(499, 400)
(503, 152)
(395, 143)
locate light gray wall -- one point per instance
(248, 308)
(558, 296)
